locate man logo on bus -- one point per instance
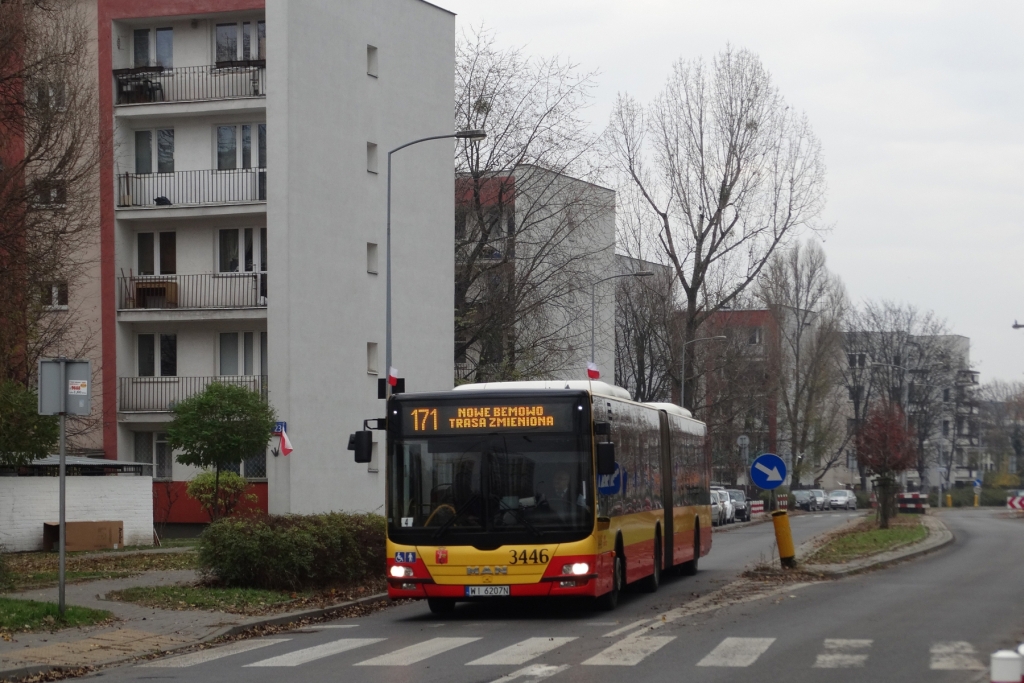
(441, 556)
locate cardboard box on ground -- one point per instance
(84, 535)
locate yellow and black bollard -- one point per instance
(784, 539)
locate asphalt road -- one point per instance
(936, 618)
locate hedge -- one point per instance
(293, 552)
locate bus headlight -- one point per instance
(577, 568)
(400, 572)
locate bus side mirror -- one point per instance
(362, 443)
(605, 458)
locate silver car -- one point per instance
(717, 509)
(729, 514)
(820, 499)
(842, 499)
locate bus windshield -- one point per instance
(516, 488)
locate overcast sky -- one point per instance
(919, 106)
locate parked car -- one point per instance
(739, 501)
(820, 499)
(803, 500)
(729, 514)
(716, 509)
(842, 499)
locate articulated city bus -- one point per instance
(540, 489)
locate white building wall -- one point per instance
(324, 206)
(26, 503)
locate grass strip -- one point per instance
(866, 539)
(30, 615)
(38, 570)
(236, 600)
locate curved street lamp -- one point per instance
(593, 306)
(473, 135)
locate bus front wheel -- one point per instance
(441, 605)
(610, 600)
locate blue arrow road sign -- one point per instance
(768, 471)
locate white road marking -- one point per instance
(522, 652)
(418, 652)
(629, 651)
(601, 623)
(737, 652)
(955, 655)
(841, 653)
(629, 627)
(193, 658)
(531, 674)
(311, 654)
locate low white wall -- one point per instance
(27, 502)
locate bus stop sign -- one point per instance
(768, 471)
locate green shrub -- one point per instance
(863, 500)
(293, 552)
(219, 495)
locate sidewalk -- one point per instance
(137, 631)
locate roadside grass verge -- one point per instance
(247, 601)
(865, 539)
(38, 570)
(30, 615)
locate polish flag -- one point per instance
(592, 371)
(286, 443)
(393, 376)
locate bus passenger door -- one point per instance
(668, 536)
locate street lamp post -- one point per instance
(682, 374)
(593, 304)
(471, 135)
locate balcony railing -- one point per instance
(160, 394)
(221, 81)
(192, 188)
(208, 290)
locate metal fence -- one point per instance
(221, 81)
(208, 290)
(160, 394)
(190, 188)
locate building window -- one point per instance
(857, 360)
(855, 393)
(371, 258)
(49, 193)
(152, 449)
(754, 337)
(54, 295)
(158, 144)
(241, 146)
(238, 353)
(945, 395)
(371, 61)
(241, 41)
(153, 47)
(371, 358)
(371, 157)
(153, 251)
(241, 250)
(147, 355)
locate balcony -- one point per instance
(161, 394)
(192, 188)
(205, 291)
(221, 81)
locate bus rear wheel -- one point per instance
(441, 605)
(610, 600)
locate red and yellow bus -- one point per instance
(540, 489)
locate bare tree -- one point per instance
(725, 172)
(809, 302)
(531, 222)
(1001, 416)
(48, 181)
(904, 356)
(645, 316)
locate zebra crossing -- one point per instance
(630, 650)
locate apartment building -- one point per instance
(240, 135)
(533, 250)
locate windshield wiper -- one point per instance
(458, 513)
(521, 517)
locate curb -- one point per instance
(939, 536)
(21, 672)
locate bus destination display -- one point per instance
(456, 419)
